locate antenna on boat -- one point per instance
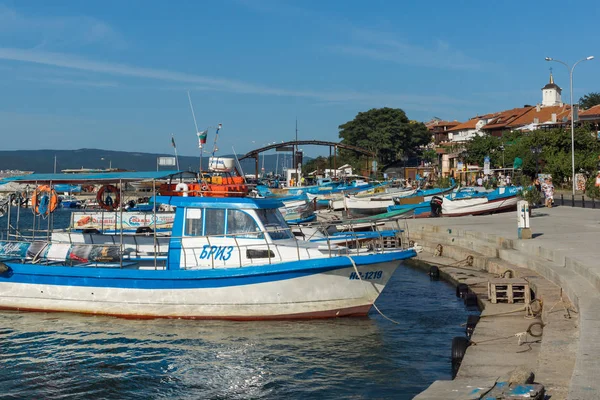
(216, 137)
(197, 131)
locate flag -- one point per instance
(173, 142)
(202, 137)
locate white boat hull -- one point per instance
(477, 205)
(333, 293)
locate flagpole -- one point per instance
(175, 147)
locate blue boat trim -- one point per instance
(187, 279)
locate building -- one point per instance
(439, 129)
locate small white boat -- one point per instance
(501, 199)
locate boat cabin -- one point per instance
(225, 233)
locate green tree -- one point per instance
(387, 132)
(589, 100)
(480, 147)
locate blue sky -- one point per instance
(114, 74)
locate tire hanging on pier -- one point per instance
(459, 348)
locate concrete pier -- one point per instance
(562, 259)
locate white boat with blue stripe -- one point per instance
(226, 258)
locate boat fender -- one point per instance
(108, 203)
(5, 270)
(461, 290)
(434, 273)
(459, 348)
(472, 321)
(182, 187)
(470, 300)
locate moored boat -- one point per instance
(226, 258)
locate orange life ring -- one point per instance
(44, 200)
(108, 203)
(204, 187)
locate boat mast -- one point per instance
(55, 163)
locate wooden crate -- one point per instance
(509, 290)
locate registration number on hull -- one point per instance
(369, 275)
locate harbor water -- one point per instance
(61, 355)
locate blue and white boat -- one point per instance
(226, 258)
(465, 201)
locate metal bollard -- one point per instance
(562, 200)
(572, 200)
(582, 201)
(593, 203)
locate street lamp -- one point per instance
(502, 149)
(572, 112)
(536, 150)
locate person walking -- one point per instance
(538, 188)
(549, 193)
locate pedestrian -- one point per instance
(508, 180)
(549, 193)
(598, 179)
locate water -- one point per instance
(56, 355)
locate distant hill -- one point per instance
(42, 161)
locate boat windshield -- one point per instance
(275, 224)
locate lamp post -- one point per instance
(502, 149)
(572, 112)
(536, 150)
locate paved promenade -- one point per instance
(566, 250)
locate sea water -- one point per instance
(62, 355)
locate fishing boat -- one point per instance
(225, 258)
(69, 201)
(501, 199)
(463, 201)
(378, 204)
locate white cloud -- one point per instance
(210, 83)
(383, 46)
(56, 31)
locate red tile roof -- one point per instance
(591, 112)
(544, 115)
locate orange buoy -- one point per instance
(108, 203)
(44, 200)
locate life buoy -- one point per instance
(204, 187)
(44, 200)
(182, 187)
(108, 203)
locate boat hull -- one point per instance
(458, 208)
(303, 289)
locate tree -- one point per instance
(387, 132)
(589, 100)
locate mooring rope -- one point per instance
(374, 305)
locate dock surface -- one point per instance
(565, 250)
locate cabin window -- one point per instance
(193, 222)
(214, 222)
(274, 224)
(241, 225)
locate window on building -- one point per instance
(193, 222)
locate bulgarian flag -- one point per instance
(202, 137)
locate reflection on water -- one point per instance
(52, 355)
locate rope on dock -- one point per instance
(374, 305)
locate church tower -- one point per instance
(551, 94)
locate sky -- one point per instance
(115, 74)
